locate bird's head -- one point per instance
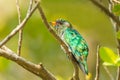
(60, 24)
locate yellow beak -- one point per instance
(53, 23)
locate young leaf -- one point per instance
(116, 9)
(108, 56)
(118, 62)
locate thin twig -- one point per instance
(76, 76)
(21, 25)
(18, 11)
(21, 30)
(106, 11)
(111, 5)
(20, 42)
(30, 6)
(97, 64)
(37, 69)
(108, 72)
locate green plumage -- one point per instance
(74, 41)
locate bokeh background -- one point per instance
(39, 46)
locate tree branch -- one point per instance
(106, 11)
(21, 25)
(21, 30)
(76, 70)
(108, 72)
(30, 6)
(5, 52)
(97, 64)
(37, 69)
(18, 11)
(116, 1)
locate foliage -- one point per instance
(116, 9)
(109, 57)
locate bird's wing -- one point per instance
(76, 43)
(78, 47)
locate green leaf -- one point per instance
(116, 9)
(118, 34)
(118, 62)
(108, 56)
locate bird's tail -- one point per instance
(83, 66)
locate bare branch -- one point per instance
(37, 69)
(118, 73)
(97, 64)
(106, 11)
(30, 6)
(116, 1)
(76, 73)
(20, 42)
(21, 25)
(21, 30)
(5, 52)
(18, 11)
(109, 74)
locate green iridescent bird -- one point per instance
(75, 42)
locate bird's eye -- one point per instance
(60, 23)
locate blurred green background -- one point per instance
(40, 46)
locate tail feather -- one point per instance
(82, 66)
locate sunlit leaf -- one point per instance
(108, 56)
(116, 9)
(118, 62)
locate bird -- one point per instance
(74, 41)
